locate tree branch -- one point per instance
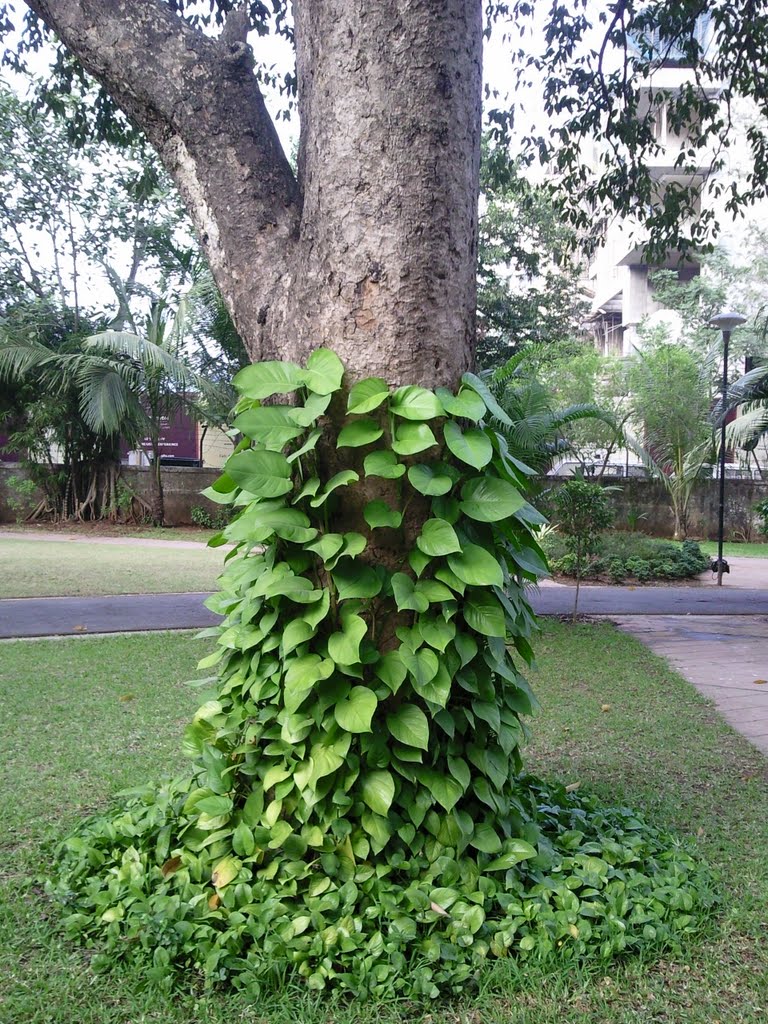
(198, 102)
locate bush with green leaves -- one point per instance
(356, 816)
(632, 555)
(582, 511)
(207, 519)
(760, 509)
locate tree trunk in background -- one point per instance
(371, 250)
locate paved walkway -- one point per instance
(725, 658)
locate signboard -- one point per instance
(178, 438)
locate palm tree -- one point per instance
(671, 397)
(537, 433)
(135, 384)
(126, 384)
(749, 394)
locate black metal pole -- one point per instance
(721, 509)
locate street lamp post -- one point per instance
(724, 322)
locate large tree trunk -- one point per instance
(372, 250)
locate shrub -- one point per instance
(583, 512)
(617, 570)
(761, 511)
(644, 558)
(208, 520)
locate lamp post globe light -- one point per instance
(724, 322)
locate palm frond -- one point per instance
(108, 403)
(20, 356)
(749, 427)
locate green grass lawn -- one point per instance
(42, 568)
(84, 717)
(732, 550)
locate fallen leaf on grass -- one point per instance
(572, 787)
(125, 697)
(605, 707)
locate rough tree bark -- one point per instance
(371, 248)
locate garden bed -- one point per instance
(629, 558)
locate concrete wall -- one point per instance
(644, 505)
(181, 488)
(640, 504)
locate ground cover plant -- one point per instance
(660, 747)
(634, 557)
(59, 568)
(357, 817)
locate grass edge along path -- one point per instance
(86, 716)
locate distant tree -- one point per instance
(671, 399)
(582, 511)
(528, 283)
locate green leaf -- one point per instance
(367, 395)
(271, 425)
(438, 689)
(356, 434)
(415, 403)
(489, 499)
(296, 632)
(344, 647)
(391, 670)
(409, 725)
(466, 647)
(483, 613)
(215, 806)
(242, 841)
(412, 438)
(450, 579)
(341, 479)
(476, 566)
(262, 380)
(437, 633)
(467, 404)
(378, 513)
(515, 851)
(308, 446)
(379, 791)
(434, 591)
(405, 594)
(313, 408)
(418, 561)
(481, 388)
(443, 788)
(324, 372)
(459, 769)
(353, 579)
(265, 474)
(383, 464)
(355, 713)
(327, 546)
(471, 446)
(437, 538)
(222, 491)
(314, 613)
(302, 673)
(430, 480)
(485, 839)
(422, 664)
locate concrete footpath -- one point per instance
(725, 658)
